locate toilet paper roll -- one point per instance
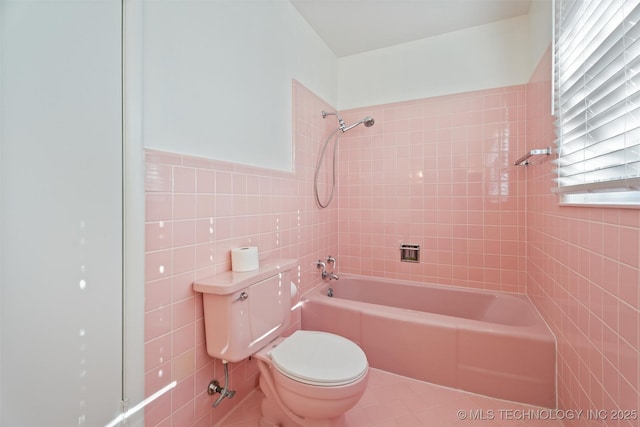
(244, 259)
(294, 289)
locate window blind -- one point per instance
(597, 101)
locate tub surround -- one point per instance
(490, 343)
(437, 172)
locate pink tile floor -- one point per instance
(395, 401)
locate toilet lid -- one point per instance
(319, 358)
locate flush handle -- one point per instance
(243, 296)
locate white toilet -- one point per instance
(310, 378)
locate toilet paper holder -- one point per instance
(409, 252)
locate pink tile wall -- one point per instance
(197, 210)
(437, 172)
(583, 276)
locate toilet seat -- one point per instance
(319, 358)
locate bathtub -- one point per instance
(491, 343)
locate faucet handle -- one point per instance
(321, 264)
(331, 260)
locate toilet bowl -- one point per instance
(310, 378)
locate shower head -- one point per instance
(368, 122)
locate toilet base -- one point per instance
(314, 406)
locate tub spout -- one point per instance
(329, 275)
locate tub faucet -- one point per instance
(332, 276)
(321, 265)
(325, 274)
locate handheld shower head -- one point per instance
(368, 122)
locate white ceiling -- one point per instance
(354, 26)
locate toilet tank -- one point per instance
(245, 311)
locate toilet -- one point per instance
(310, 378)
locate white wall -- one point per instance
(217, 78)
(217, 73)
(482, 57)
(60, 216)
(540, 30)
(3, 24)
(134, 211)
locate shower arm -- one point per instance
(368, 121)
(341, 122)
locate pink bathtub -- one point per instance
(490, 343)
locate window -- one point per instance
(597, 101)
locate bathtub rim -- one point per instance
(540, 329)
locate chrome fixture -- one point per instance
(409, 252)
(330, 292)
(524, 160)
(327, 274)
(331, 260)
(368, 121)
(215, 387)
(321, 265)
(342, 126)
(340, 121)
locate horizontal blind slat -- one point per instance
(597, 90)
(591, 45)
(608, 75)
(617, 120)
